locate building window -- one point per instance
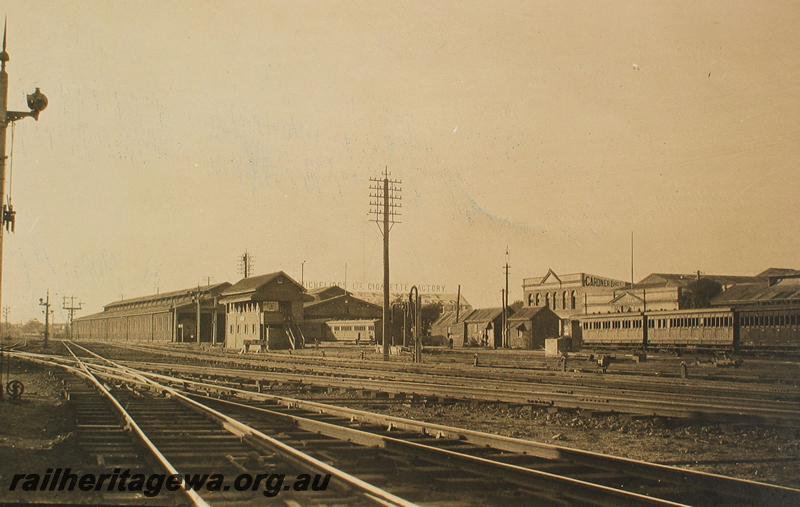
(537, 299)
(572, 300)
(564, 300)
(547, 299)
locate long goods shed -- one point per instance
(189, 315)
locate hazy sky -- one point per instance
(180, 134)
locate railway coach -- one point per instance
(762, 328)
(616, 330)
(698, 328)
(769, 327)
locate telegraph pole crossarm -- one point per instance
(71, 308)
(46, 303)
(384, 205)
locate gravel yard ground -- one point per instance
(758, 453)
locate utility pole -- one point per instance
(71, 309)
(384, 204)
(214, 322)
(505, 303)
(458, 303)
(415, 310)
(631, 258)
(196, 300)
(46, 303)
(6, 311)
(246, 264)
(37, 102)
(303, 273)
(502, 319)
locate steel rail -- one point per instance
(362, 437)
(510, 444)
(713, 391)
(243, 431)
(131, 424)
(461, 369)
(599, 402)
(548, 451)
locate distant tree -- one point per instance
(699, 293)
(32, 326)
(430, 314)
(516, 306)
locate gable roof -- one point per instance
(172, 297)
(321, 302)
(427, 298)
(769, 272)
(484, 314)
(624, 294)
(528, 312)
(749, 293)
(550, 272)
(684, 279)
(327, 292)
(254, 283)
(449, 317)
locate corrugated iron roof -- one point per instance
(758, 293)
(318, 302)
(527, 312)
(449, 317)
(254, 283)
(484, 314)
(179, 294)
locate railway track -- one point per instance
(303, 364)
(408, 461)
(774, 406)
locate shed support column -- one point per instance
(174, 324)
(214, 323)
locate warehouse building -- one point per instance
(263, 312)
(328, 305)
(164, 317)
(777, 289)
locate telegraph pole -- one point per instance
(384, 204)
(505, 303)
(71, 309)
(196, 299)
(6, 311)
(46, 304)
(246, 264)
(37, 102)
(631, 258)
